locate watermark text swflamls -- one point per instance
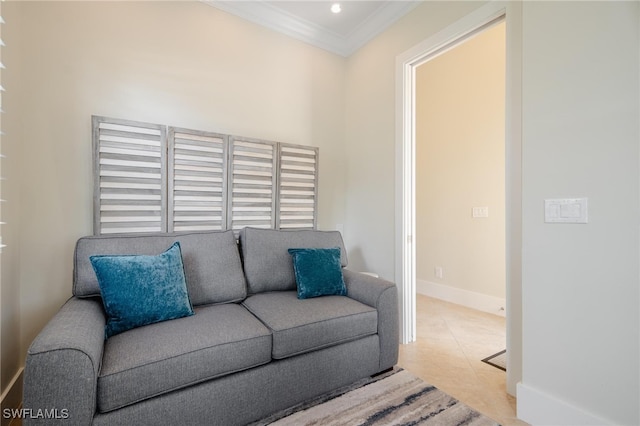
(40, 413)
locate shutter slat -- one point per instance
(137, 134)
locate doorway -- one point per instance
(460, 173)
(406, 64)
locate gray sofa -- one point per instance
(251, 349)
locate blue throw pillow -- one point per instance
(140, 289)
(318, 272)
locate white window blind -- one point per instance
(1, 132)
(130, 186)
(197, 180)
(154, 178)
(298, 189)
(252, 190)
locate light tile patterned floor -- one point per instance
(451, 342)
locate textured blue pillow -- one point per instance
(140, 289)
(318, 272)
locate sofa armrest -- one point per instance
(382, 295)
(62, 365)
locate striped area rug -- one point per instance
(397, 399)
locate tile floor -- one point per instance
(451, 341)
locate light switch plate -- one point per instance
(480, 212)
(566, 210)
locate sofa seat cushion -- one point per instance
(300, 326)
(159, 358)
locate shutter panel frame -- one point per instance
(298, 172)
(250, 160)
(195, 169)
(133, 184)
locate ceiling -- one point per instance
(313, 22)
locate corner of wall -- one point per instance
(11, 399)
(470, 299)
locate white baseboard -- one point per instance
(538, 408)
(470, 299)
(12, 396)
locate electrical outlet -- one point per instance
(438, 271)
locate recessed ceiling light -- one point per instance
(336, 8)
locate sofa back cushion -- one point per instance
(268, 266)
(212, 266)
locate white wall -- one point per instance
(178, 63)
(460, 164)
(580, 282)
(579, 107)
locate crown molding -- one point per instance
(379, 21)
(276, 19)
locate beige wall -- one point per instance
(460, 164)
(178, 63)
(370, 133)
(10, 357)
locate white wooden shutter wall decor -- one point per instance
(252, 191)
(197, 180)
(130, 188)
(298, 189)
(150, 178)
